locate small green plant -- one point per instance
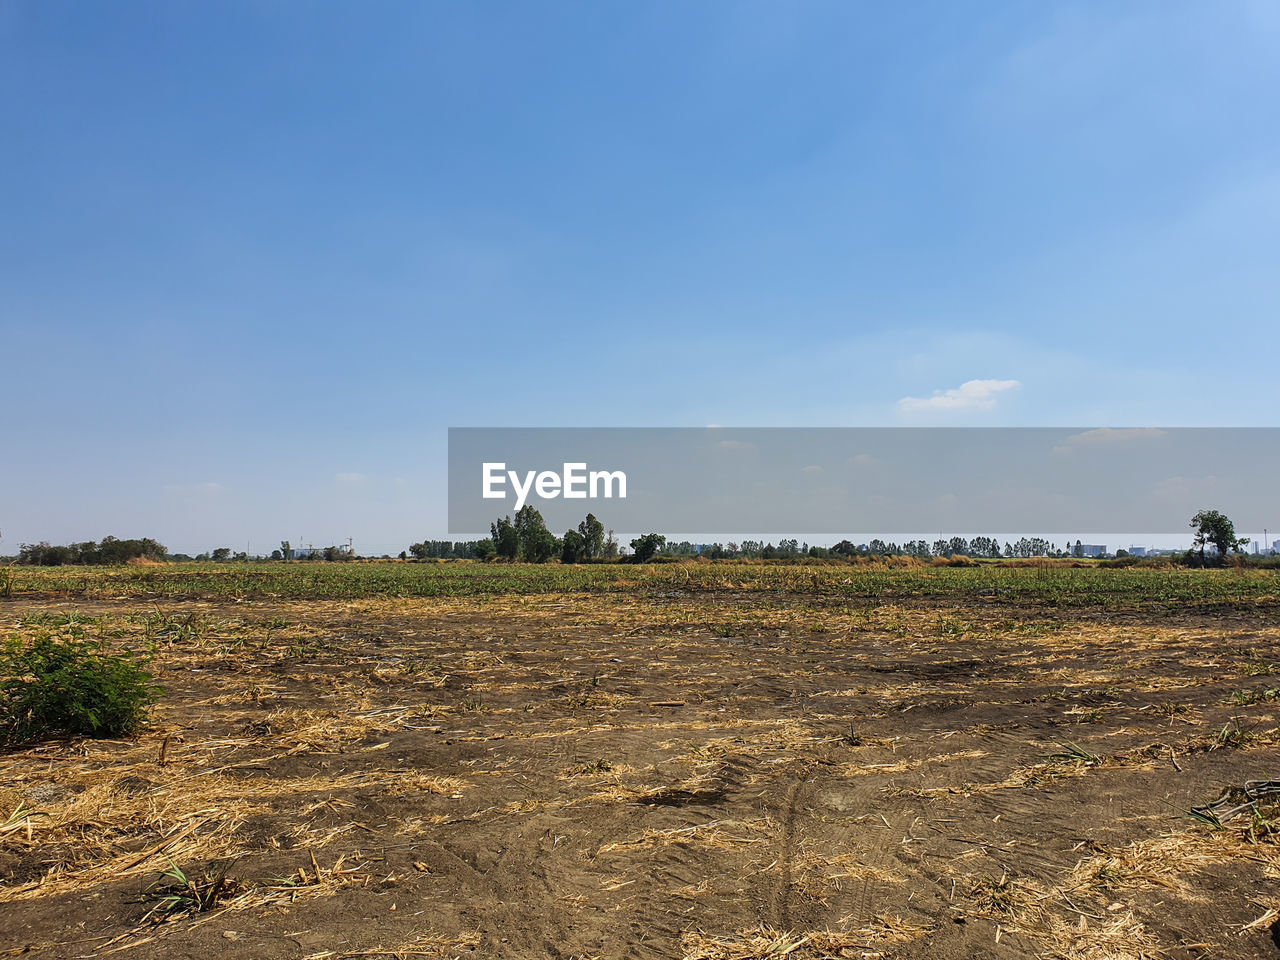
(176, 894)
(20, 819)
(1261, 668)
(1207, 817)
(1233, 737)
(6, 582)
(1073, 753)
(71, 686)
(1244, 698)
(305, 647)
(1262, 828)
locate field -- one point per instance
(698, 761)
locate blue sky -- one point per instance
(257, 257)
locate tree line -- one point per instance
(527, 538)
(108, 551)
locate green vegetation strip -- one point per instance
(1052, 586)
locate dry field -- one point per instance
(652, 770)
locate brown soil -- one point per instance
(699, 777)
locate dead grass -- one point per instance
(767, 942)
(649, 753)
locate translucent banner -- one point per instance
(792, 481)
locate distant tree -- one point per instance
(984, 547)
(332, 553)
(277, 555)
(592, 532)
(112, 550)
(484, 549)
(1214, 527)
(286, 549)
(573, 547)
(645, 547)
(537, 543)
(505, 542)
(610, 546)
(222, 555)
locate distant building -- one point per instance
(1137, 551)
(1092, 549)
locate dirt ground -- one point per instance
(699, 777)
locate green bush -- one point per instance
(77, 687)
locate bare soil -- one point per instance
(698, 776)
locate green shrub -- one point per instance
(76, 687)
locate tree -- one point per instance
(483, 549)
(505, 542)
(573, 547)
(286, 549)
(222, 555)
(536, 542)
(277, 555)
(645, 547)
(610, 546)
(1214, 527)
(592, 532)
(984, 547)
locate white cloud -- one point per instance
(970, 395)
(1185, 491)
(1107, 436)
(349, 479)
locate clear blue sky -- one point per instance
(257, 256)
